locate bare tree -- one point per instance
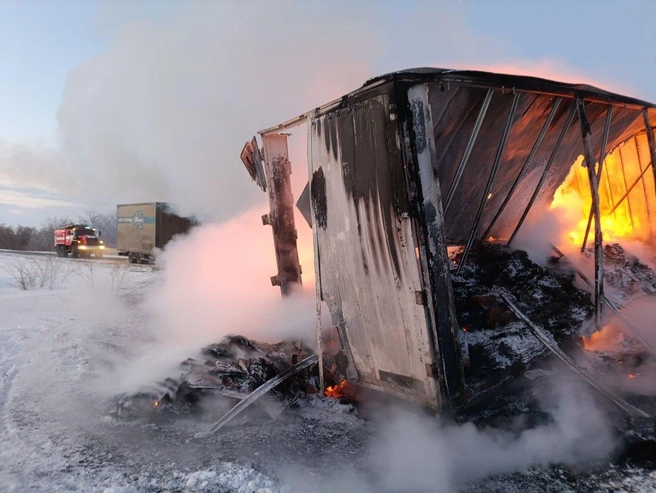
(104, 222)
(118, 273)
(43, 239)
(85, 271)
(7, 237)
(38, 272)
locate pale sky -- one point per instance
(61, 57)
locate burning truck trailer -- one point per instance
(419, 184)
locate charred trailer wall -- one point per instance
(409, 164)
(371, 246)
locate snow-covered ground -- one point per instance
(64, 348)
(56, 433)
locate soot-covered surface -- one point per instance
(499, 345)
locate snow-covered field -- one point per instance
(66, 343)
(56, 433)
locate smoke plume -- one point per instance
(414, 452)
(162, 113)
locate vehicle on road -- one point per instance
(143, 228)
(78, 240)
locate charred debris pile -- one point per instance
(503, 360)
(226, 373)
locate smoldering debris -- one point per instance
(499, 345)
(506, 376)
(626, 274)
(228, 372)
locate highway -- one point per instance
(106, 259)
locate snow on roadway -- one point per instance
(54, 430)
(61, 343)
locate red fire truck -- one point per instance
(79, 240)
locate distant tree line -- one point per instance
(42, 239)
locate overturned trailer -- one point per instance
(420, 160)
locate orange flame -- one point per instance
(337, 391)
(606, 339)
(623, 175)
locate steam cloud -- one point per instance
(412, 452)
(214, 283)
(164, 111)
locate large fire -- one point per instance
(625, 195)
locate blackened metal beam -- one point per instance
(556, 148)
(610, 188)
(615, 307)
(530, 157)
(651, 141)
(468, 149)
(548, 342)
(629, 190)
(644, 185)
(626, 187)
(594, 192)
(490, 181)
(602, 158)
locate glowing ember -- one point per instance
(633, 375)
(337, 391)
(624, 197)
(607, 339)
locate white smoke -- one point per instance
(163, 112)
(417, 455)
(215, 282)
(415, 452)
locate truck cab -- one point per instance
(78, 240)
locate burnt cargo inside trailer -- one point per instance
(144, 227)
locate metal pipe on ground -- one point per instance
(614, 306)
(257, 393)
(548, 342)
